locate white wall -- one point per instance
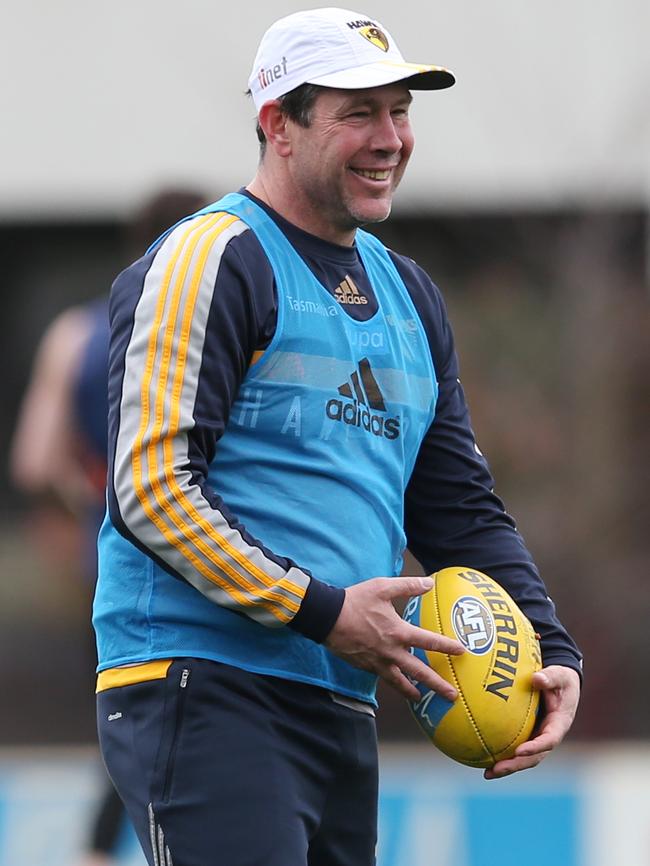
(102, 102)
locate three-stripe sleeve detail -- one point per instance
(169, 514)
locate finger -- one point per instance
(432, 641)
(548, 737)
(394, 677)
(416, 671)
(556, 677)
(542, 744)
(404, 587)
(540, 681)
(546, 681)
(513, 765)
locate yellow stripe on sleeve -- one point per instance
(179, 495)
(210, 227)
(208, 231)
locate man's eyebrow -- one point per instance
(354, 101)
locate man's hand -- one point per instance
(371, 635)
(560, 689)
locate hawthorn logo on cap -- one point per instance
(376, 36)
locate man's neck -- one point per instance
(273, 195)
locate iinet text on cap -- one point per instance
(267, 76)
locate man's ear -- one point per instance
(274, 122)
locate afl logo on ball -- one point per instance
(473, 624)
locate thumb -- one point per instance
(404, 587)
(541, 681)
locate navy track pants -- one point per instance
(221, 767)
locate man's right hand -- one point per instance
(370, 634)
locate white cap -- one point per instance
(334, 48)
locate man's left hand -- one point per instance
(560, 689)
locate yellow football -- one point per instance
(496, 706)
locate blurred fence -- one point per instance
(583, 807)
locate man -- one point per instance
(285, 416)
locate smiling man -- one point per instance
(340, 171)
(285, 417)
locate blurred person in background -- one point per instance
(59, 448)
(285, 415)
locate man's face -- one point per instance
(346, 165)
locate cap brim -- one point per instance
(415, 76)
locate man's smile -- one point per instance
(373, 174)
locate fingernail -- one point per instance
(426, 583)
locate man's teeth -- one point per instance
(373, 175)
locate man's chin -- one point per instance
(369, 215)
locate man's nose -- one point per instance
(385, 136)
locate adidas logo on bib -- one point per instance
(364, 405)
(347, 293)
